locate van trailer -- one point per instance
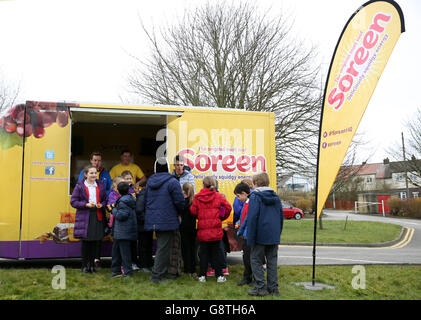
(44, 146)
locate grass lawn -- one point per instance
(382, 283)
(333, 231)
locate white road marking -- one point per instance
(339, 259)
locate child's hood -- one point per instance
(206, 195)
(128, 200)
(158, 179)
(267, 194)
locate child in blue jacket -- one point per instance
(264, 227)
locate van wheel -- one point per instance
(297, 216)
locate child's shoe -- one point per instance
(202, 279)
(221, 279)
(135, 267)
(225, 272)
(127, 276)
(115, 275)
(258, 292)
(210, 273)
(146, 270)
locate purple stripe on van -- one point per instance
(9, 249)
(48, 249)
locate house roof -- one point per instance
(369, 168)
(382, 170)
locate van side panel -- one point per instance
(10, 189)
(225, 144)
(36, 219)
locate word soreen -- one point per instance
(361, 56)
(227, 162)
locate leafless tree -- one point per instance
(407, 153)
(346, 179)
(8, 94)
(231, 56)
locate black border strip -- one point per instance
(22, 179)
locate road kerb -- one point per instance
(403, 239)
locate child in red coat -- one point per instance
(206, 207)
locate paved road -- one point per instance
(405, 252)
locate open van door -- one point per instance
(45, 180)
(11, 153)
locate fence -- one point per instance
(340, 204)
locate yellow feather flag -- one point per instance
(361, 54)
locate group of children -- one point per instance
(258, 218)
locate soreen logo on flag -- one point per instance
(359, 61)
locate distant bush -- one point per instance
(395, 205)
(305, 205)
(406, 208)
(293, 197)
(313, 204)
(414, 208)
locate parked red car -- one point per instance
(291, 212)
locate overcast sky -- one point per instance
(79, 50)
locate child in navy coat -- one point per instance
(124, 231)
(264, 227)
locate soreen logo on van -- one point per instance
(223, 162)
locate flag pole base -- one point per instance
(317, 286)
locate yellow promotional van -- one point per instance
(45, 145)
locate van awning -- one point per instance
(121, 116)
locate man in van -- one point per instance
(183, 172)
(126, 164)
(96, 160)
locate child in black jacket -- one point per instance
(145, 237)
(188, 231)
(124, 231)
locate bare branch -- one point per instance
(230, 56)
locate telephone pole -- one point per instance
(406, 171)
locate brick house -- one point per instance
(378, 182)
